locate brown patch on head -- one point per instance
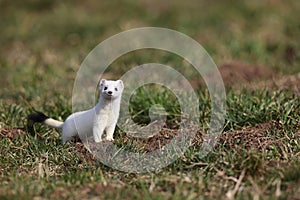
(11, 132)
(256, 137)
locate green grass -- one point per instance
(42, 46)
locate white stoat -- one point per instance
(93, 122)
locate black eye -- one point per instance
(105, 88)
(116, 89)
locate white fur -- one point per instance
(53, 123)
(94, 122)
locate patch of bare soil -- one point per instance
(11, 133)
(257, 137)
(237, 73)
(82, 152)
(290, 83)
(150, 144)
(260, 136)
(160, 139)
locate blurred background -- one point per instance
(43, 42)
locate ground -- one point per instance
(256, 48)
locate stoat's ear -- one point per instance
(120, 82)
(102, 82)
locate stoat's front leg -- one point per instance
(98, 130)
(110, 132)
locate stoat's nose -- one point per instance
(109, 92)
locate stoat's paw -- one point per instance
(97, 139)
(110, 139)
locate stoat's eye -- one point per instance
(105, 88)
(116, 89)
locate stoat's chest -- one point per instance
(108, 112)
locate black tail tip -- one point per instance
(34, 117)
(37, 116)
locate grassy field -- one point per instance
(256, 46)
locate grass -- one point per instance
(42, 46)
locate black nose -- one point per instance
(109, 92)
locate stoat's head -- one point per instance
(111, 89)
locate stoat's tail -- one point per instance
(39, 117)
